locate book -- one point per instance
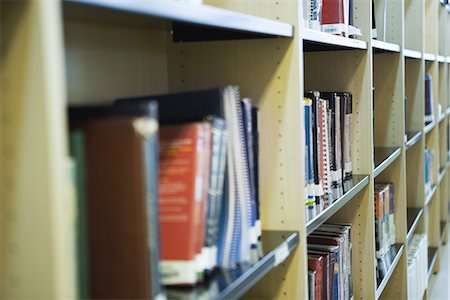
(334, 17)
(328, 159)
(77, 151)
(384, 227)
(312, 10)
(417, 261)
(122, 218)
(239, 220)
(311, 284)
(333, 243)
(429, 101)
(346, 127)
(316, 265)
(215, 191)
(374, 24)
(429, 171)
(184, 157)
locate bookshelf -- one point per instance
(129, 49)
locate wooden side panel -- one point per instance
(414, 24)
(388, 102)
(415, 93)
(37, 220)
(431, 26)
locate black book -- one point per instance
(184, 107)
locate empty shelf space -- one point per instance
(314, 40)
(430, 195)
(380, 47)
(398, 250)
(358, 183)
(384, 157)
(232, 284)
(412, 54)
(413, 215)
(412, 137)
(429, 126)
(432, 255)
(429, 56)
(191, 22)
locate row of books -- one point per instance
(430, 181)
(165, 202)
(329, 262)
(330, 16)
(417, 266)
(328, 163)
(384, 228)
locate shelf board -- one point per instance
(441, 174)
(314, 40)
(429, 56)
(448, 59)
(190, 21)
(412, 54)
(432, 255)
(398, 248)
(412, 137)
(383, 47)
(429, 127)
(232, 284)
(358, 183)
(441, 117)
(413, 215)
(430, 195)
(384, 157)
(441, 59)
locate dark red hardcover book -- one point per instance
(316, 263)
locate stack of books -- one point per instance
(330, 16)
(384, 228)
(328, 162)
(417, 266)
(429, 171)
(329, 262)
(170, 189)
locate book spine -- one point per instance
(180, 197)
(214, 192)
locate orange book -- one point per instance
(184, 158)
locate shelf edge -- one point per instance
(388, 275)
(318, 220)
(387, 162)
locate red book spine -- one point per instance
(316, 264)
(333, 20)
(179, 202)
(332, 12)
